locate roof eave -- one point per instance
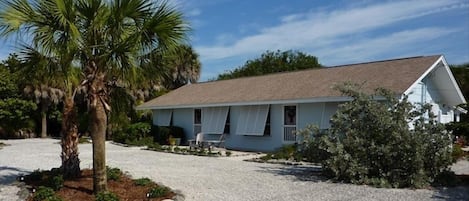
(266, 102)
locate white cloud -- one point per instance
(316, 30)
(194, 12)
(393, 44)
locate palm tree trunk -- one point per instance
(98, 124)
(43, 120)
(70, 160)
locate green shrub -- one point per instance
(138, 130)
(119, 136)
(178, 132)
(158, 191)
(287, 152)
(370, 142)
(45, 194)
(161, 134)
(155, 146)
(266, 157)
(113, 173)
(106, 196)
(137, 134)
(143, 181)
(311, 143)
(56, 182)
(457, 153)
(146, 141)
(36, 175)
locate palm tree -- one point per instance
(44, 71)
(108, 38)
(44, 96)
(50, 27)
(184, 66)
(40, 84)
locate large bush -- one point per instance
(135, 134)
(370, 142)
(15, 115)
(161, 133)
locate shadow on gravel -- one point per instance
(459, 192)
(302, 173)
(9, 174)
(452, 193)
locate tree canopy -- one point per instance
(370, 142)
(109, 40)
(15, 112)
(273, 62)
(461, 74)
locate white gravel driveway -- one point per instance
(206, 178)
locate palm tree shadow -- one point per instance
(9, 174)
(459, 192)
(301, 173)
(80, 188)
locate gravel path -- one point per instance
(206, 178)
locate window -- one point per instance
(197, 116)
(197, 121)
(290, 115)
(226, 130)
(267, 125)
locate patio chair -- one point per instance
(219, 142)
(197, 142)
(214, 143)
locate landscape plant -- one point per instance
(113, 173)
(143, 181)
(106, 196)
(381, 140)
(45, 194)
(158, 191)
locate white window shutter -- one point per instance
(214, 119)
(252, 120)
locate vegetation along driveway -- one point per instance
(207, 178)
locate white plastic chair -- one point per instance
(197, 142)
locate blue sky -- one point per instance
(227, 33)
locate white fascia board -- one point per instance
(460, 109)
(407, 91)
(448, 71)
(453, 81)
(268, 102)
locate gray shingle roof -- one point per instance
(397, 75)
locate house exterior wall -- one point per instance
(184, 118)
(180, 117)
(307, 113)
(426, 92)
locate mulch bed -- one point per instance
(82, 188)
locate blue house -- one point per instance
(261, 113)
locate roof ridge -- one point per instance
(312, 69)
(385, 60)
